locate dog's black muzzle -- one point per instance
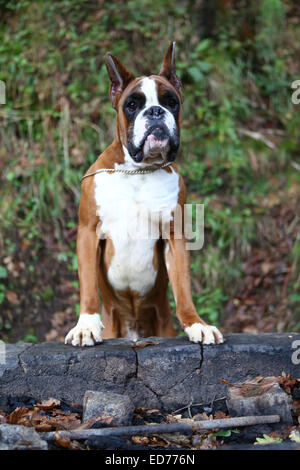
(161, 132)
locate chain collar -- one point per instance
(127, 172)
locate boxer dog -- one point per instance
(132, 182)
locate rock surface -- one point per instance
(168, 375)
(14, 437)
(120, 407)
(262, 397)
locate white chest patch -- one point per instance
(131, 208)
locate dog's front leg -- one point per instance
(88, 330)
(178, 266)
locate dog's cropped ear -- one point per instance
(119, 77)
(168, 69)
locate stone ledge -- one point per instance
(168, 375)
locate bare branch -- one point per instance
(146, 430)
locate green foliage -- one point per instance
(268, 440)
(3, 275)
(58, 118)
(2, 293)
(30, 337)
(209, 304)
(225, 433)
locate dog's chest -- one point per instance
(132, 209)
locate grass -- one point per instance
(240, 128)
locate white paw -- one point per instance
(205, 334)
(87, 332)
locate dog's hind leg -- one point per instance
(165, 325)
(111, 324)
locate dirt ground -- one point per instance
(42, 303)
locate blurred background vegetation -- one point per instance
(239, 151)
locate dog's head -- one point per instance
(148, 109)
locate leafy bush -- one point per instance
(239, 133)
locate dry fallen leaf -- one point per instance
(104, 419)
(256, 386)
(66, 443)
(48, 404)
(143, 344)
(57, 422)
(220, 415)
(152, 410)
(12, 297)
(209, 443)
(43, 427)
(159, 441)
(62, 441)
(204, 417)
(286, 382)
(176, 438)
(15, 416)
(69, 422)
(141, 440)
(172, 418)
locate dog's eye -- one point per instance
(132, 105)
(172, 102)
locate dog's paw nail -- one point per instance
(87, 332)
(206, 334)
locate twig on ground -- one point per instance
(257, 136)
(295, 165)
(146, 430)
(189, 411)
(198, 404)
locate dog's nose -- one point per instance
(154, 112)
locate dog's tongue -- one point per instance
(154, 146)
(154, 142)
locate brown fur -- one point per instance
(125, 311)
(149, 315)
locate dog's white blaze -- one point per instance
(127, 205)
(148, 87)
